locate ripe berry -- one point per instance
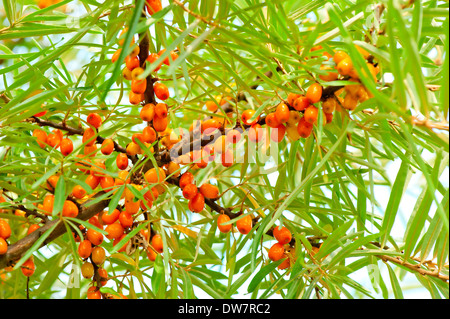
(301, 103)
(107, 183)
(292, 97)
(93, 181)
(85, 249)
(233, 136)
(136, 73)
(345, 66)
(94, 119)
(247, 116)
(139, 86)
(157, 243)
(282, 113)
(154, 175)
(116, 55)
(189, 191)
(28, 267)
(94, 293)
(153, 6)
(209, 191)
(78, 192)
(109, 218)
(89, 136)
(272, 121)
(41, 137)
(160, 123)
(32, 228)
(255, 133)
(69, 209)
(66, 146)
(276, 252)
(107, 146)
(5, 229)
(125, 219)
(314, 93)
(53, 140)
(197, 203)
(47, 205)
(304, 128)
(161, 110)
(3, 246)
(135, 98)
(147, 112)
(95, 237)
(185, 179)
(245, 224)
(122, 161)
(285, 264)
(132, 62)
(161, 91)
(211, 106)
(98, 255)
(87, 270)
(282, 235)
(223, 219)
(277, 134)
(330, 76)
(153, 57)
(311, 114)
(227, 158)
(339, 56)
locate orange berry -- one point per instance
(153, 57)
(292, 97)
(233, 136)
(304, 128)
(255, 133)
(32, 228)
(28, 267)
(227, 158)
(161, 91)
(48, 203)
(132, 62)
(211, 106)
(345, 66)
(185, 179)
(85, 249)
(153, 6)
(125, 219)
(339, 56)
(89, 136)
(223, 219)
(66, 146)
(147, 112)
(94, 119)
(209, 191)
(247, 116)
(328, 117)
(210, 126)
(151, 254)
(107, 146)
(276, 252)
(53, 140)
(94, 293)
(189, 191)
(149, 134)
(272, 120)
(109, 218)
(98, 255)
(314, 93)
(70, 209)
(95, 237)
(301, 103)
(245, 224)
(107, 183)
(157, 243)
(5, 229)
(311, 114)
(330, 76)
(78, 192)
(154, 176)
(116, 55)
(93, 181)
(87, 270)
(52, 181)
(103, 274)
(282, 113)
(277, 134)
(41, 137)
(282, 235)
(135, 98)
(197, 203)
(285, 264)
(3, 246)
(122, 161)
(160, 123)
(139, 86)
(90, 151)
(329, 105)
(161, 110)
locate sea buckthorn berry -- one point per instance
(292, 97)
(157, 243)
(161, 91)
(314, 93)
(285, 264)
(282, 113)
(116, 55)
(94, 293)
(5, 229)
(149, 134)
(247, 116)
(339, 56)
(153, 57)
(227, 158)
(103, 274)
(3, 246)
(53, 140)
(282, 235)
(197, 203)
(85, 249)
(147, 112)
(189, 191)
(107, 146)
(160, 123)
(210, 126)
(32, 228)
(48, 203)
(277, 134)
(87, 270)
(345, 66)
(135, 51)
(107, 183)
(132, 62)
(66, 146)
(200, 158)
(153, 6)
(151, 194)
(173, 169)
(294, 117)
(92, 180)
(122, 161)
(311, 114)
(136, 72)
(255, 133)
(301, 103)
(135, 98)
(161, 110)
(52, 181)
(125, 219)
(363, 52)
(221, 220)
(211, 106)
(272, 121)
(70, 209)
(138, 137)
(98, 255)
(98, 168)
(350, 102)
(328, 117)
(28, 267)
(109, 218)
(209, 191)
(89, 136)
(245, 224)
(154, 175)
(186, 178)
(233, 136)
(151, 254)
(330, 76)
(126, 74)
(41, 137)
(139, 86)
(94, 119)
(90, 151)
(329, 105)
(95, 237)
(304, 128)
(276, 252)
